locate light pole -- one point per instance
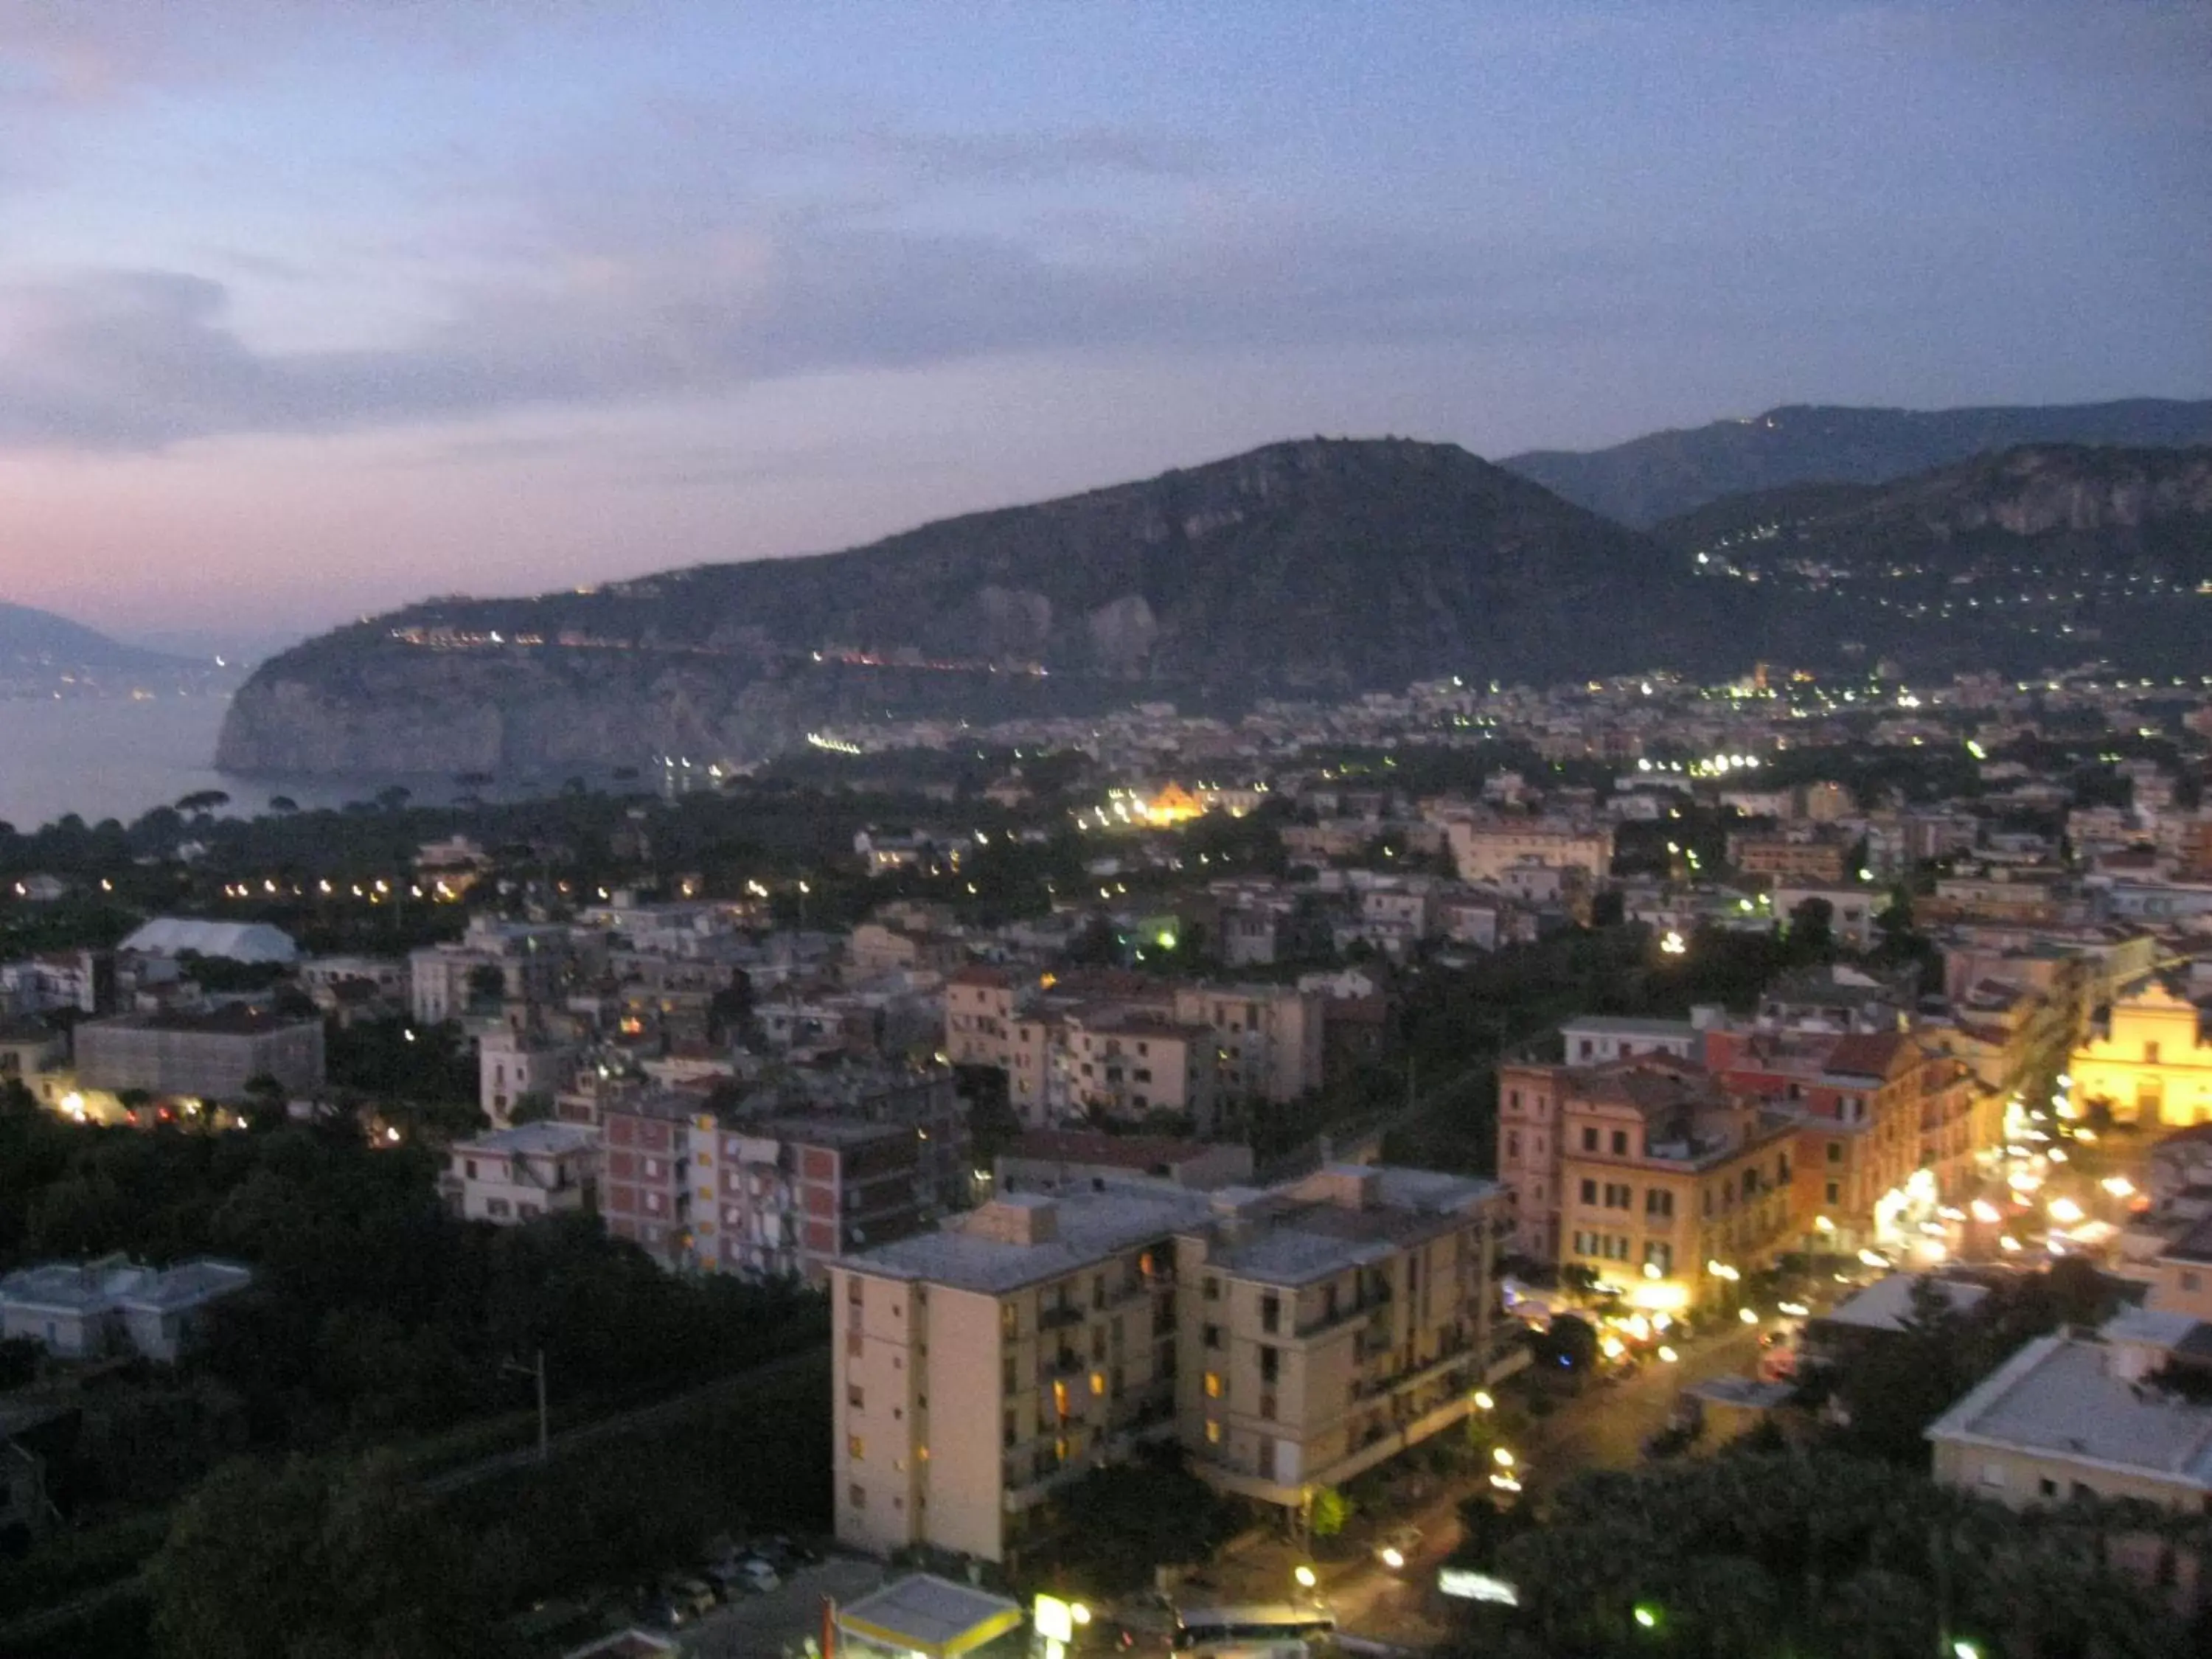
(536, 1369)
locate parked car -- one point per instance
(695, 1595)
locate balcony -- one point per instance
(1059, 1318)
(1377, 1300)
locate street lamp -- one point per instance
(1483, 1401)
(1304, 1576)
(1647, 1616)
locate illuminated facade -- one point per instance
(2150, 1064)
(1647, 1172)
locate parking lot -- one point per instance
(764, 1626)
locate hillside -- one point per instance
(1669, 473)
(1309, 568)
(31, 639)
(2046, 553)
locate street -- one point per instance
(1604, 1427)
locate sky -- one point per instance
(312, 307)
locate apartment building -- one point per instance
(534, 961)
(511, 1064)
(780, 1184)
(2070, 1418)
(1253, 1043)
(516, 1174)
(1060, 1310)
(1288, 1338)
(1790, 860)
(1644, 1171)
(1483, 850)
(1874, 1109)
(1329, 1324)
(1122, 1064)
(208, 1055)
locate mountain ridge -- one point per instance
(30, 636)
(1312, 568)
(1662, 475)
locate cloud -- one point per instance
(141, 360)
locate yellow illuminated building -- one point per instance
(2150, 1064)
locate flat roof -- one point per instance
(1090, 1227)
(929, 1615)
(543, 1139)
(1298, 1236)
(1886, 1304)
(1114, 1151)
(2056, 1397)
(1627, 1025)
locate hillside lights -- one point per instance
(2118, 1185)
(1749, 1315)
(2065, 1211)
(1304, 1575)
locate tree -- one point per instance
(1130, 1519)
(393, 797)
(202, 802)
(310, 1560)
(1329, 1512)
(486, 986)
(1811, 930)
(282, 806)
(534, 1107)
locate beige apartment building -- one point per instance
(1256, 1044)
(1288, 1338)
(1483, 850)
(978, 1369)
(1329, 1324)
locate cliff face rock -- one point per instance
(1303, 568)
(1668, 474)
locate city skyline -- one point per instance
(307, 311)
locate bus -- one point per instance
(1259, 1630)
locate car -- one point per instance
(694, 1595)
(1397, 1546)
(1147, 1612)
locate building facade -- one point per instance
(207, 1056)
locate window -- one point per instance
(2150, 1053)
(1213, 1431)
(1010, 1321)
(1007, 1384)
(1512, 1100)
(2191, 1279)
(1833, 1192)
(855, 1447)
(1589, 1140)
(1659, 1202)
(853, 1292)
(497, 1206)
(853, 1397)
(1620, 1143)
(1097, 1385)
(1213, 1385)
(1271, 1312)
(1011, 1434)
(1212, 1288)
(1835, 1151)
(1590, 1192)
(1619, 1195)
(1270, 1365)
(1210, 1336)
(1993, 1474)
(1660, 1255)
(2046, 1487)
(1513, 1145)
(470, 1166)
(857, 1496)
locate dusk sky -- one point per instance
(309, 309)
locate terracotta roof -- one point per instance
(996, 978)
(1866, 1053)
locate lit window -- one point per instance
(1213, 1385)
(1213, 1431)
(855, 1447)
(1098, 1383)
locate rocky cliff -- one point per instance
(1309, 568)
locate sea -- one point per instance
(117, 757)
